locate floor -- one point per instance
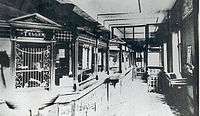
(130, 97)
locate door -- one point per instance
(33, 64)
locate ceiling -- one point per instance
(126, 12)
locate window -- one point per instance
(85, 61)
(139, 32)
(86, 57)
(114, 61)
(99, 61)
(140, 59)
(165, 56)
(154, 59)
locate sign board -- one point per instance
(61, 53)
(189, 54)
(33, 33)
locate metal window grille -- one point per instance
(63, 36)
(33, 65)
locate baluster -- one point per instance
(31, 66)
(28, 62)
(22, 56)
(35, 58)
(25, 64)
(34, 63)
(42, 59)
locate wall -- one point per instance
(187, 27)
(188, 40)
(5, 45)
(182, 16)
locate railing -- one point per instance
(88, 102)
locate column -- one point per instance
(120, 58)
(169, 54)
(96, 59)
(90, 58)
(67, 56)
(196, 56)
(75, 64)
(162, 55)
(131, 58)
(70, 58)
(146, 47)
(169, 46)
(52, 82)
(102, 60)
(84, 58)
(125, 55)
(107, 58)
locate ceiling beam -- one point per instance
(118, 13)
(121, 19)
(120, 25)
(130, 25)
(114, 20)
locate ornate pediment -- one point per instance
(34, 18)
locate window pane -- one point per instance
(153, 59)
(139, 32)
(165, 56)
(175, 53)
